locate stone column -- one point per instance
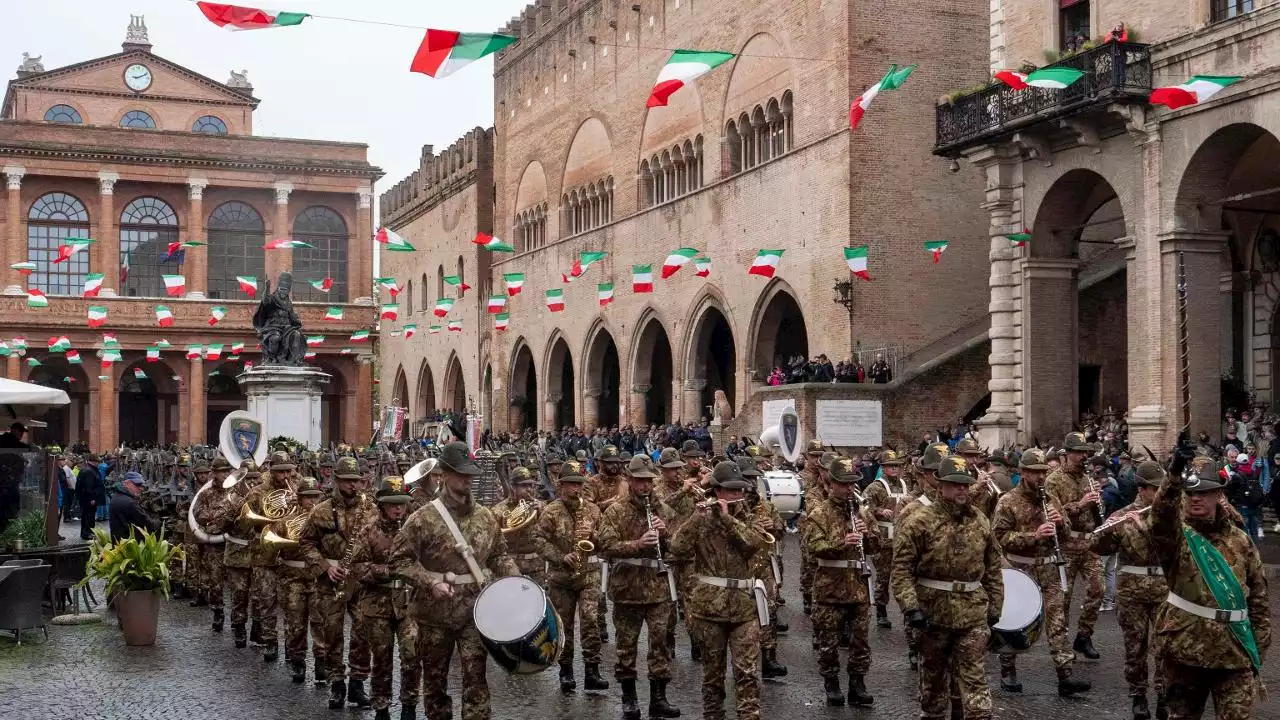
(1050, 296)
(515, 416)
(108, 422)
(185, 422)
(691, 403)
(108, 245)
(279, 260)
(349, 415)
(549, 406)
(14, 246)
(638, 407)
(1191, 263)
(360, 265)
(13, 368)
(198, 422)
(198, 258)
(590, 409)
(364, 398)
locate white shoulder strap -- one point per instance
(463, 547)
(924, 500)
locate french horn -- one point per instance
(519, 517)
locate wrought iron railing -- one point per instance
(1115, 71)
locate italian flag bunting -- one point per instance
(390, 311)
(235, 17)
(360, 336)
(1196, 90)
(236, 348)
(444, 52)
(73, 246)
(93, 284)
(457, 281)
(97, 316)
(394, 242)
(497, 303)
(433, 330)
(248, 284)
(216, 313)
(410, 330)
(153, 353)
(323, 286)
(59, 344)
(604, 291)
(1019, 239)
(20, 343)
(4, 349)
(25, 267)
(286, 244)
(139, 374)
(124, 268)
(308, 355)
(585, 260)
(193, 352)
(641, 278)
(892, 80)
(1054, 78)
(937, 247)
(164, 316)
(489, 242)
(443, 306)
(109, 341)
(766, 263)
(32, 362)
(501, 321)
(681, 69)
(514, 282)
(213, 352)
(333, 313)
(73, 357)
(174, 285)
(702, 266)
(555, 300)
(162, 343)
(36, 298)
(455, 326)
(676, 260)
(315, 340)
(856, 257)
(389, 284)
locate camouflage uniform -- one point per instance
(237, 557)
(681, 501)
(1066, 487)
(210, 513)
(573, 591)
(604, 490)
(762, 568)
(524, 546)
(301, 607)
(814, 493)
(721, 606)
(883, 497)
(266, 583)
(946, 543)
(983, 495)
(1200, 657)
(183, 535)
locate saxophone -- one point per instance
(582, 530)
(353, 544)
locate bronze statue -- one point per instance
(279, 328)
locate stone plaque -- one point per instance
(771, 412)
(851, 423)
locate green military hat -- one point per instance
(184, 460)
(580, 456)
(968, 446)
(748, 467)
(1203, 481)
(308, 487)
(670, 458)
(455, 457)
(640, 467)
(347, 469)
(571, 471)
(201, 467)
(1033, 459)
(1075, 442)
(522, 476)
(554, 458)
(933, 456)
(220, 463)
(999, 458)
(250, 469)
(954, 469)
(844, 471)
(280, 461)
(728, 475)
(690, 448)
(327, 463)
(392, 491)
(890, 458)
(827, 458)
(814, 447)
(1150, 473)
(624, 456)
(608, 453)
(402, 459)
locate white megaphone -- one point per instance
(785, 436)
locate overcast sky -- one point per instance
(325, 79)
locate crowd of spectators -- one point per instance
(820, 369)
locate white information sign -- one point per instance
(850, 423)
(771, 410)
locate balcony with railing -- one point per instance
(1113, 72)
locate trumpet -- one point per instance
(712, 502)
(1117, 519)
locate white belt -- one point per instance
(846, 564)
(1141, 569)
(594, 560)
(1024, 560)
(963, 586)
(654, 563)
(755, 586)
(450, 578)
(294, 564)
(887, 527)
(526, 556)
(1207, 613)
(643, 562)
(236, 540)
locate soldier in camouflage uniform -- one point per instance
(297, 589)
(883, 498)
(1027, 537)
(384, 601)
(210, 514)
(947, 578)
(237, 557)
(766, 567)
(1206, 648)
(191, 575)
(573, 576)
(445, 587)
(426, 488)
(266, 583)
(604, 485)
(680, 492)
(632, 535)
(926, 470)
(724, 539)
(524, 546)
(840, 536)
(1069, 488)
(331, 526)
(813, 480)
(554, 464)
(325, 477)
(1140, 587)
(984, 494)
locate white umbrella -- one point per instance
(21, 400)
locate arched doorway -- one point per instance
(602, 393)
(711, 365)
(425, 406)
(523, 396)
(69, 423)
(455, 385)
(148, 404)
(331, 404)
(560, 387)
(780, 331)
(399, 395)
(651, 372)
(486, 398)
(223, 396)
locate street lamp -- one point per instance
(843, 295)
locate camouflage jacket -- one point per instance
(383, 595)
(261, 555)
(331, 525)
(1014, 522)
(906, 510)
(814, 491)
(948, 543)
(1187, 638)
(1003, 479)
(983, 497)
(1131, 539)
(555, 529)
(292, 554)
(884, 496)
(241, 534)
(1066, 488)
(722, 546)
(619, 532)
(823, 537)
(524, 546)
(603, 489)
(760, 564)
(211, 511)
(681, 502)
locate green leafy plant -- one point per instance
(28, 527)
(133, 563)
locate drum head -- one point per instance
(510, 608)
(1022, 601)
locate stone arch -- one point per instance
(522, 392)
(778, 329)
(1214, 172)
(65, 424)
(1069, 211)
(148, 407)
(602, 378)
(711, 356)
(651, 370)
(399, 389)
(486, 395)
(590, 155)
(759, 73)
(455, 385)
(425, 393)
(558, 377)
(532, 189)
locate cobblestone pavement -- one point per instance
(88, 673)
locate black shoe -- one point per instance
(780, 628)
(1140, 709)
(695, 652)
(241, 641)
(658, 705)
(808, 603)
(337, 694)
(382, 714)
(630, 706)
(1068, 686)
(858, 694)
(1084, 646)
(270, 656)
(255, 633)
(957, 710)
(769, 667)
(1009, 681)
(299, 671)
(882, 618)
(322, 674)
(356, 694)
(408, 712)
(591, 679)
(782, 600)
(218, 619)
(567, 683)
(835, 698)
(198, 600)
(1162, 712)
(913, 660)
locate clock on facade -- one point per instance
(137, 77)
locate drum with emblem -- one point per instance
(1021, 618)
(518, 625)
(783, 489)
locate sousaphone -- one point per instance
(241, 437)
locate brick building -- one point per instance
(1152, 270)
(754, 155)
(137, 152)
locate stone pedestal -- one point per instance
(286, 399)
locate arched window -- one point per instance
(53, 219)
(733, 148)
(137, 119)
(147, 226)
(327, 232)
(236, 236)
(408, 299)
(646, 185)
(63, 114)
(210, 125)
(462, 276)
(439, 281)
(426, 290)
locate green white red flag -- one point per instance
(443, 306)
(856, 258)
(73, 246)
(139, 374)
(164, 316)
(235, 17)
(1196, 90)
(497, 303)
(73, 357)
(162, 343)
(174, 285)
(93, 284)
(457, 281)
(286, 244)
(32, 362)
(323, 286)
(455, 326)
(1019, 239)
(216, 313)
(59, 344)
(213, 352)
(315, 340)
(194, 352)
(641, 278)
(1054, 78)
(489, 242)
(236, 348)
(153, 353)
(308, 355)
(514, 282)
(555, 300)
(390, 311)
(389, 284)
(434, 329)
(892, 80)
(444, 52)
(585, 260)
(333, 313)
(97, 316)
(937, 247)
(410, 330)
(682, 68)
(501, 321)
(26, 267)
(248, 284)
(360, 336)
(766, 263)
(604, 292)
(394, 242)
(676, 260)
(36, 298)
(702, 266)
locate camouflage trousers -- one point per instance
(579, 603)
(883, 563)
(1137, 622)
(238, 580)
(534, 568)
(451, 626)
(1055, 618)
(1190, 689)
(717, 640)
(302, 609)
(212, 574)
(383, 635)
(265, 603)
(334, 616)
(627, 621)
(1085, 566)
(769, 633)
(191, 576)
(685, 578)
(807, 567)
(828, 620)
(954, 654)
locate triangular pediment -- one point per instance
(106, 74)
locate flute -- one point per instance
(1114, 520)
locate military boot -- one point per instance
(1140, 709)
(271, 654)
(1068, 686)
(1084, 646)
(238, 632)
(218, 619)
(957, 710)
(382, 714)
(658, 705)
(695, 652)
(630, 706)
(769, 666)
(337, 694)
(1162, 711)
(356, 694)
(1009, 681)
(255, 634)
(913, 660)
(199, 600)
(567, 683)
(408, 712)
(808, 602)
(858, 694)
(299, 671)
(831, 685)
(882, 618)
(322, 673)
(780, 627)
(591, 679)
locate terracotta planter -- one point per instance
(139, 612)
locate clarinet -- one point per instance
(864, 571)
(1058, 558)
(648, 513)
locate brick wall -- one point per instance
(1103, 330)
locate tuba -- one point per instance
(226, 445)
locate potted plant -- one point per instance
(25, 533)
(136, 572)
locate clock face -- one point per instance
(137, 77)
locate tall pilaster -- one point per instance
(14, 247)
(197, 269)
(280, 260)
(638, 406)
(364, 398)
(1050, 341)
(107, 249)
(1191, 266)
(360, 267)
(691, 400)
(108, 422)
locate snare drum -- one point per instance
(518, 625)
(782, 488)
(1022, 616)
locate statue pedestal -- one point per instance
(286, 399)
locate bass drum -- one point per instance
(1021, 618)
(783, 489)
(518, 625)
